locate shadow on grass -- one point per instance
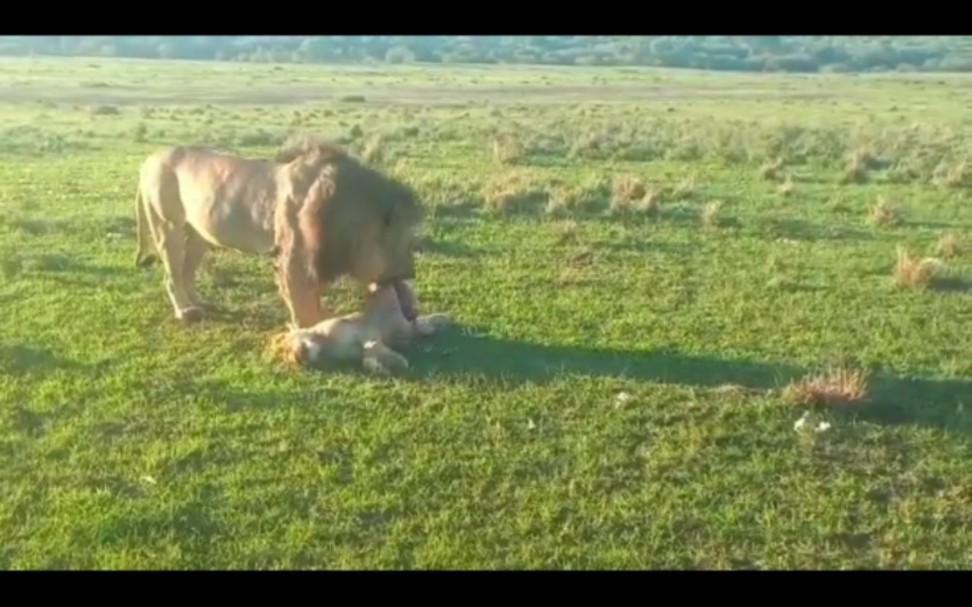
(808, 231)
(894, 400)
(952, 284)
(448, 248)
(454, 356)
(60, 263)
(17, 359)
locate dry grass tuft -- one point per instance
(513, 192)
(372, 151)
(629, 188)
(710, 214)
(771, 171)
(591, 195)
(853, 174)
(687, 189)
(948, 246)
(507, 149)
(911, 272)
(838, 205)
(839, 386)
(885, 214)
(567, 231)
(787, 187)
(627, 191)
(956, 175)
(651, 203)
(859, 164)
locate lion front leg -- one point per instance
(299, 290)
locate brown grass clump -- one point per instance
(567, 231)
(952, 175)
(856, 169)
(512, 193)
(859, 163)
(838, 386)
(948, 246)
(627, 191)
(629, 188)
(885, 214)
(507, 149)
(687, 189)
(710, 214)
(651, 203)
(914, 273)
(372, 152)
(838, 205)
(771, 171)
(105, 110)
(591, 195)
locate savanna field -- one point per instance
(705, 320)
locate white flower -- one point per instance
(800, 423)
(823, 426)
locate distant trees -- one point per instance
(730, 53)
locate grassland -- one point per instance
(645, 264)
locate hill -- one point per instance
(726, 53)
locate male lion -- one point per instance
(317, 209)
(389, 319)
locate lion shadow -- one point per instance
(893, 400)
(446, 248)
(21, 360)
(809, 231)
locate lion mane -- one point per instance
(317, 210)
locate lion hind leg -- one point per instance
(171, 237)
(196, 248)
(377, 354)
(145, 253)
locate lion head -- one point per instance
(365, 223)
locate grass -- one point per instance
(623, 389)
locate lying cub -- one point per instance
(389, 319)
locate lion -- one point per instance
(317, 210)
(389, 319)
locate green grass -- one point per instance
(614, 396)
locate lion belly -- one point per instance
(232, 220)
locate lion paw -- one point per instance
(395, 362)
(373, 365)
(427, 325)
(190, 315)
(202, 304)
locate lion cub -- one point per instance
(389, 319)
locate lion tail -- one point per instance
(144, 255)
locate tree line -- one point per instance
(729, 53)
